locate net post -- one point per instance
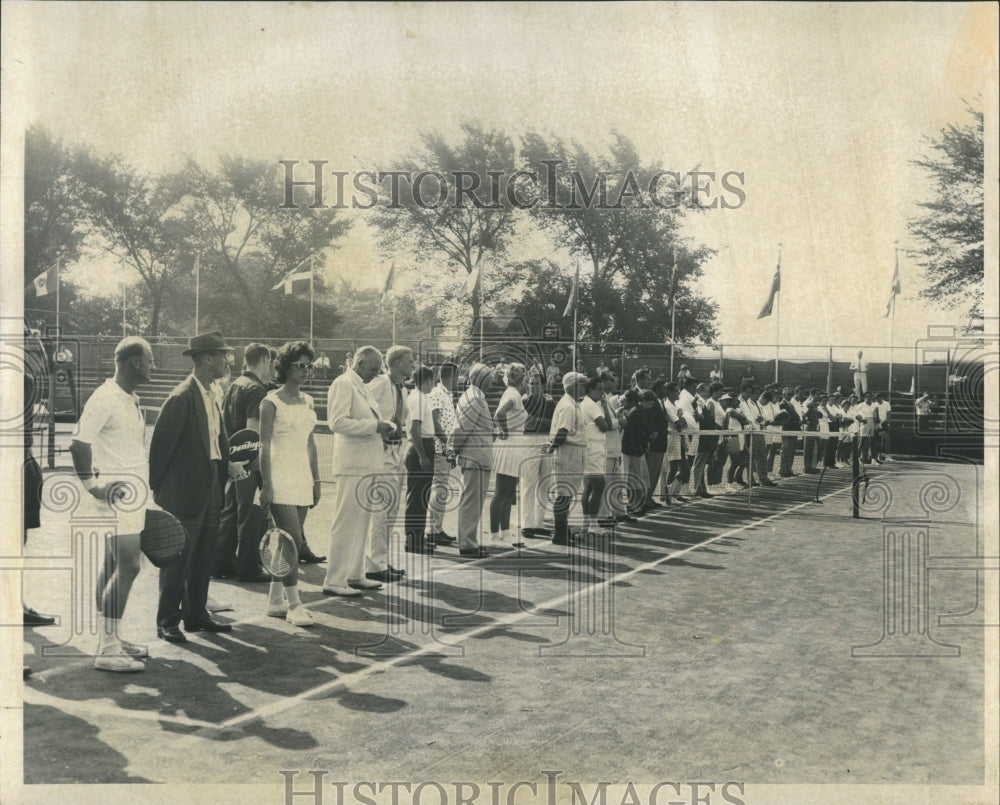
(855, 477)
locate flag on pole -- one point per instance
(571, 302)
(46, 282)
(894, 290)
(297, 274)
(775, 288)
(471, 286)
(388, 288)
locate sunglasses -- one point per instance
(303, 365)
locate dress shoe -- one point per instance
(626, 518)
(440, 538)
(704, 493)
(256, 578)
(207, 625)
(32, 618)
(227, 573)
(343, 592)
(309, 558)
(475, 552)
(811, 472)
(787, 474)
(768, 483)
(172, 634)
(364, 584)
(532, 533)
(384, 576)
(396, 571)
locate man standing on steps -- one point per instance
(188, 467)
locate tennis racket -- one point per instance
(162, 538)
(244, 445)
(278, 553)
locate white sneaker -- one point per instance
(299, 616)
(119, 662)
(136, 650)
(216, 606)
(276, 610)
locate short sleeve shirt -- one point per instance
(242, 401)
(418, 409)
(567, 416)
(442, 401)
(114, 426)
(590, 412)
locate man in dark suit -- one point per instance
(188, 466)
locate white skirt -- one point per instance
(510, 453)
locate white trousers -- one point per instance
(352, 509)
(387, 491)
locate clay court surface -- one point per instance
(709, 641)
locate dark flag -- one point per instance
(775, 288)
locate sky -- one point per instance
(821, 107)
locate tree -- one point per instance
(603, 212)
(127, 214)
(232, 220)
(951, 232)
(54, 224)
(460, 232)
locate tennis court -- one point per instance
(711, 641)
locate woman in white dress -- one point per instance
(289, 468)
(508, 452)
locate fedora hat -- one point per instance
(207, 342)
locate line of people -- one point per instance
(395, 446)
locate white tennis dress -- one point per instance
(291, 476)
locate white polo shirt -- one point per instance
(113, 424)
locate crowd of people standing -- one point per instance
(402, 436)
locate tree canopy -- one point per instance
(950, 233)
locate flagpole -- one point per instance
(777, 323)
(197, 292)
(482, 317)
(58, 283)
(576, 304)
(312, 272)
(892, 320)
(673, 306)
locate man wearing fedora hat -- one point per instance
(188, 466)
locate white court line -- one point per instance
(510, 619)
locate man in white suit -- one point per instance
(390, 394)
(358, 430)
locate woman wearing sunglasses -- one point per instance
(289, 468)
